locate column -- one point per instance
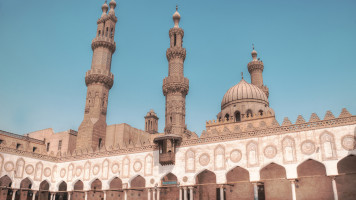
(191, 193)
(54, 196)
(69, 195)
(336, 197)
(185, 193)
(13, 194)
(158, 193)
(292, 183)
(86, 195)
(255, 191)
(149, 194)
(125, 194)
(51, 196)
(221, 192)
(154, 194)
(180, 194)
(104, 195)
(34, 195)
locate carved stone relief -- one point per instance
(270, 151)
(9, 166)
(78, 171)
(235, 155)
(105, 169)
(190, 161)
(137, 166)
(148, 165)
(20, 166)
(348, 142)
(63, 173)
(219, 158)
(70, 172)
(47, 172)
(115, 168)
(327, 146)
(185, 179)
(252, 154)
(126, 168)
(204, 159)
(54, 174)
(307, 147)
(87, 168)
(38, 171)
(288, 146)
(96, 169)
(29, 169)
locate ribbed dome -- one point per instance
(243, 91)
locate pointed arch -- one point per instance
(346, 181)
(26, 183)
(5, 181)
(328, 147)
(115, 191)
(219, 157)
(20, 166)
(240, 186)
(62, 186)
(78, 185)
(206, 188)
(274, 177)
(115, 183)
(169, 189)
(313, 182)
(138, 183)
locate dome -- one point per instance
(243, 91)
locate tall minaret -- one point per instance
(175, 86)
(99, 80)
(255, 67)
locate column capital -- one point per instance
(191, 187)
(333, 177)
(221, 186)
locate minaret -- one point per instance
(255, 68)
(175, 86)
(99, 80)
(151, 122)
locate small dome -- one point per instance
(243, 91)
(176, 16)
(105, 6)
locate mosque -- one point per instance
(243, 154)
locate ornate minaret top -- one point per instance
(255, 67)
(175, 86)
(99, 80)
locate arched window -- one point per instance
(237, 116)
(260, 112)
(175, 39)
(107, 30)
(99, 33)
(111, 33)
(249, 113)
(227, 116)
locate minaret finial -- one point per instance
(242, 75)
(253, 46)
(176, 7)
(176, 17)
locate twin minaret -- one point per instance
(99, 80)
(175, 86)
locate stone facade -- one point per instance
(244, 154)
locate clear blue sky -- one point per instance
(308, 48)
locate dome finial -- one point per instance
(254, 53)
(176, 17)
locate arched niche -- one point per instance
(95, 190)
(274, 178)
(43, 192)
(115, 192)
(78, 193)
(169, 190)
(238, 184)
(138, 191)
(313, 182)
(206, 189)
(346, 181)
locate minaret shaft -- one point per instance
(99, 80)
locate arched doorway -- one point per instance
(5, 190)
(346, 181)
(169, 190)
(96, 190)
(206, 185)
(313, 184)
(115, 192)
(44, 191)
(276, 186)
(78, 193)
(238, 184)
(25, 192)
(62, 191)
(137, 190)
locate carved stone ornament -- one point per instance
(78, 171)
(137, 166)
(9, 166)
(270, 151)
(152, 181)
(348, 142)
(204, 159)
(176, 31)
(185, 179)
(29, 169)
(99, 78)
(96, 169)
(47, 172)
(63, 173)
(235, 155)
(115, 168)
(308, 147)
(176, 52)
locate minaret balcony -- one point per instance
(175, 84)
(168, 158)
(99, 76)
(103, 41)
